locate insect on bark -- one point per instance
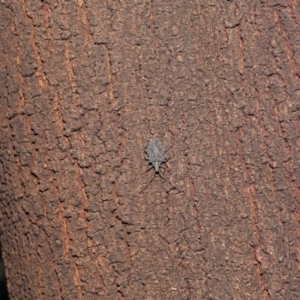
(155, 151)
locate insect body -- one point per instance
(155, 151)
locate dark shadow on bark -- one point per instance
(3, 288)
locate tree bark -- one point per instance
(85, 84)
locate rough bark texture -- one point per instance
(84, 84)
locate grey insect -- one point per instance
(155, 151)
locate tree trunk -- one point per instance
(85, 84)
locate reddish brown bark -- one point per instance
(85, 84)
